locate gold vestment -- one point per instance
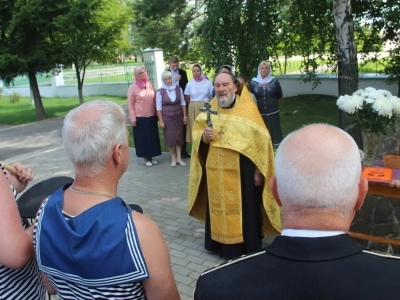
(237, 130)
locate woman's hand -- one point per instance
(133, 123)
(21, 180)
(184, 120)
(162, 125)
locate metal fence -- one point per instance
(94, 74)
(297, 67)
(123, 72)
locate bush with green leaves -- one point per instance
(14, 97)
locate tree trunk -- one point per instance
(37, 99)
(347, 59)
(80, 81)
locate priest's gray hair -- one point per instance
(318, 166)
(89, 133)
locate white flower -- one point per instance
(383, 106)
(376, 95)
(385, 93)
(358, 92)
(369, 99)
(374, 109)
(395, 103)
(350, 104)
(364, 94)
(370, 89)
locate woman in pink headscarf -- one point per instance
(197, 92)
(143, 115)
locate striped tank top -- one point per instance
(95, 255)
(25, 283)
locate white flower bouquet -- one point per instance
(374, 110)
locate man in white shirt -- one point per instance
(319, 186)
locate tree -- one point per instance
(27, 44)
(238, 33)
(346, 48)
(384, 24)
(91, 31)
(308, 33)
(347, 59)
(169, 25)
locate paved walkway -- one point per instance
(162, 193)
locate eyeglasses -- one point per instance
(140, 73)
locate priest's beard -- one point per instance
(226, 101)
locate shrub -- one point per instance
(14, 97)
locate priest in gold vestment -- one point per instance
(230, 170)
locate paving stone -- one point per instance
(191, 244)
(183, 279)
(194, 275)
(196, 267)
(192, 251)
(195, 259)
(182, 270)
(185, 291)
(179, 261)
(177, 253)
(176, 246)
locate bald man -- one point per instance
(319, 186)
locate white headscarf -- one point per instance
(265, 80)
(171, 87)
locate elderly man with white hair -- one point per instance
(89, 243)
(319, 186)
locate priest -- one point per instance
(231, 166)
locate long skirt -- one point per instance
(146, 138)
(273, 123)
(193, 112)
(251, 212)
(173, 131)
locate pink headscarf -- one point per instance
(141, 83)
(202, 76)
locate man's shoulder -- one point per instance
(391, 258)
(181, 71)
(238, 262)
(234, 274)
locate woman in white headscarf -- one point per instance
(171, 111)
(197, 92)
(268, 93)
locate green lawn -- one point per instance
(306, 109)
(295, 111)
(23, 111)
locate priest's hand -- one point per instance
(208, 134)
(258, 179)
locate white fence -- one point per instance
(291, 86)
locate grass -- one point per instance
(301, 110)
(295, 111)
(23, 111)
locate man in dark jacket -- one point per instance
(319, 186)
(181, 79)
